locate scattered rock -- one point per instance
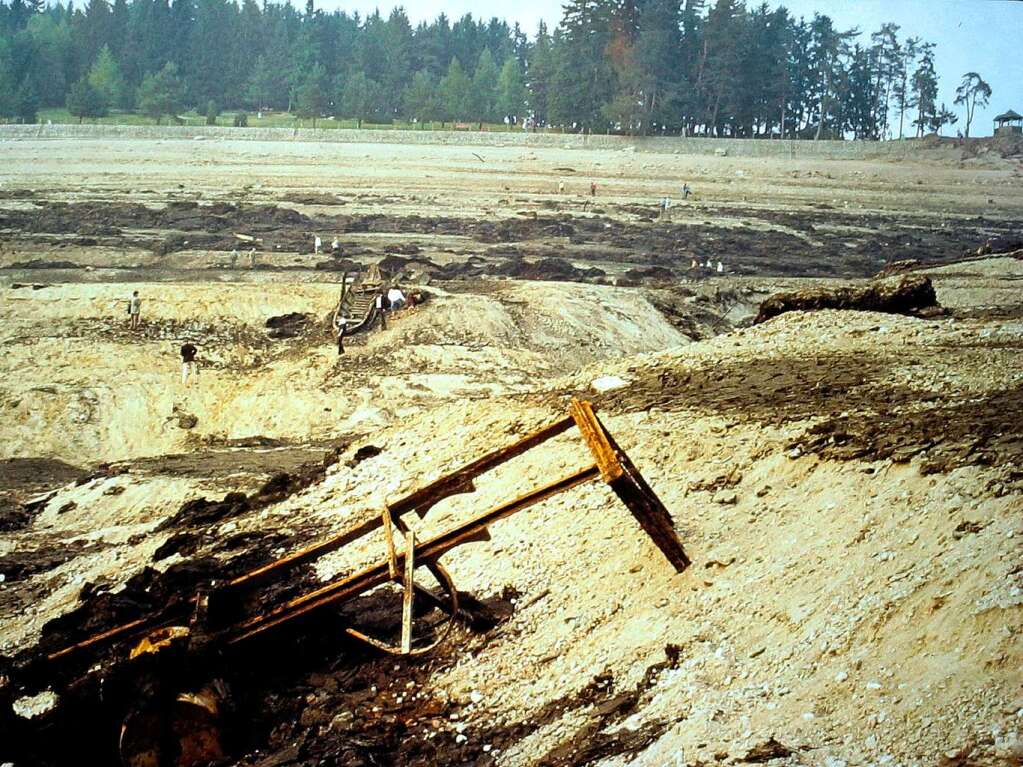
(766, 751)
(363, 453)
(32, 706)
(287, 325)
(967, 527)
(607, 383)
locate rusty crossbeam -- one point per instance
(375, 575)
(421, 500)
(618, 471)
(611, 465)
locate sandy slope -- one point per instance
(845, 599)
(78, 385)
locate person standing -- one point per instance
(381, 309)
(340, 328)
(135, 311)
(593, 189)
(189, 366)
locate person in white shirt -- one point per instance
(396, 299)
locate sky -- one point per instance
(981, 36)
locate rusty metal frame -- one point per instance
(611, 465)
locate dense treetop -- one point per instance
(630, 66)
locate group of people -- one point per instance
(666, 201)
(189, 364)
(697, 264)
(251, 255)
(335, 246)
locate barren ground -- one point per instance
(849, 485)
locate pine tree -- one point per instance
(658, 51)
(94, 29)
(397, 47)
(972, 92)
(859, 109)
(420, 98)
(454, 91)
(311, 96)
(483, 93)
(359, 98)
(511, 91)
(105, 76)
(800, 75)
(691, 64)
(721, 63)
(539, 75)
(903, 95)
(829, 48)
(943, 116)
(925, 90)
(8, 81)
(584, 82)
(26, 102)
(49, 35)
(885, 55)
(161, 94)
(85, 100)
(260, 86)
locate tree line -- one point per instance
(630, 66)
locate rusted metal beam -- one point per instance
(142, 624)
(392, 560)
(458, 481)
(422, 499)
(612, 465)
(377, 574)
(596, 440)
(262, 574)
(645, 505)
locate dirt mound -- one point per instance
(288, 325)
(905, 295)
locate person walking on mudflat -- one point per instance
(134, 311)
(189, 367)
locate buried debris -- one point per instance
(163, 651)
(909, 294)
